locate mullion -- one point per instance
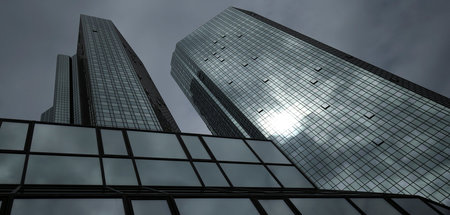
(100, 154)
(265, 166)
(27, 151)
(355, 206)
(186, 151)
(130, 151)
(213, 158)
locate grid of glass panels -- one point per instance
(75, 155)
(319, 205)
(61, 100)
(344, 126)
(117, 98)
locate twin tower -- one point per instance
(347, 124)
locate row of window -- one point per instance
(225, 206)
(48, 162)
(82, 140)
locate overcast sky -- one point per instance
(409, 38)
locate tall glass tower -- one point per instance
(105, 84)
(348, 124)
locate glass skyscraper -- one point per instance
(53, 168)
(348, 124)
(105, 84)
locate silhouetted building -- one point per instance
(105, 84)
(348, 124)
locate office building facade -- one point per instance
(347, 124)
(106, 84)
(67, 169)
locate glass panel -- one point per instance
(267, 151)
(64, 139)
(149, 144)
(249, 175)
(230, 149)
(211, 174)
(275, 207)
(11, 166)
(143, 207)
(43, 169)
(113, 142)
(289, 176)
(441, 209)
(375, 206)
(195, 147)
(167, 173)
(414, 206)
(215, 206)
(67, 206)
(13, 135)
(119, 171)
(323, 206)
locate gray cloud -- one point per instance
(407, 38)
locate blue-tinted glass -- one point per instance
(267, 151)
(11, 166)
(195, 147)
(149, 144)
(324, 206)
(211, 174)
(375, 206)
(119, 171)
(219, 206)
(275, 207)
(13, 135)
(145, 207)
(166, 173)
(67, 207)
(64, 139)
(249, 175)
(113, 142)
(289, 176)
(43, 169)
(414, 206)
(228, 149)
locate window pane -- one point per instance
(230, 149)
(374, 206)
(119, 171)
(268, 152)
(67, 206)
(249, 175)
(167, 173)
(323, 206)
(275, 207)
(149, 144)
(113, 142)
(289, 176)
(211, 174)
(195, 147)
(441, 209)
(44, 169)
(414, 206)
(143, 207)
(215, 206)
(11, 166)
(64, 139)
(13, 135)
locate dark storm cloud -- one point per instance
(408, 38)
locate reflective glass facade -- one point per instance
(348, 124)
(64, 169)
(105, 84)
